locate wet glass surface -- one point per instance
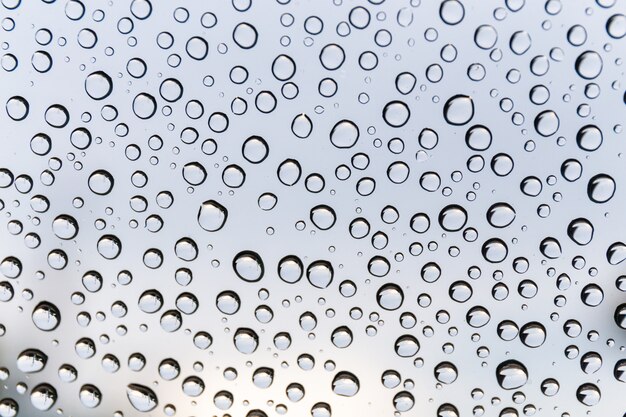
(324, 208)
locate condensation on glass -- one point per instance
(312, 208)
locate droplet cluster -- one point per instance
(312, 208)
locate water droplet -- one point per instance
(451, 12)
(396, 113)
(248, 266)
(495, 250)
(46, 316)
(403, 401)
(588, 394)
(580, 231)
(43, 397)
(458, 110)
(589, 65)
(323, 217)
(101, 182)
(246, 340)
(547, 123)
(142, 398)
(320, 274)
(31, 360)
(212, 216)
(90, 396)
(511, 374)
(390, 297)
(344, 134)
(98, 85)
(453, 218)
(290, 269)
(345, 384)
(446, 372)
(601, 188)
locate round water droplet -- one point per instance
(248, 266)
(90, 396)
(295, 392)
(197, 48)
(446, 373)
(228, 302)
(290, 269)
(255, 149)
(212, 216)
(46, 316)
(320, 274)
(551, 248)
(458, 110)
(323, 217)
(98, 85)
(289, 172)
(620, 316)
(65, 227)
(43, 397)
(580, 231)
(451, 12)
(390, 297)
(547, 123)
(478, 138)
(452, 218)
(144, 105)
(9, 408)
(345, 384)
(186, 249)
(533, 334)
(406, 346)
(495, 250)
(332, 56)
(263, 377)
(396, 113)
(403, 401)
(342, 337)
(601, 188)
(101, 182)
(223, 400)
(245, 35)
(589, 138)
(588, 394)
(344, 134)
(589, 65)
(193, 386)
(17, 108)
(511, 374)
(31, 360)
(246, 340)
(194, 173)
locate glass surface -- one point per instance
(312, 208)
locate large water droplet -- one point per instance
(344, 134)
(31, 360)
(212, 216)
(46, 316)
(142, 398)
(511, 374)
(98, 85)
(601, 188)
(248, 266)
(345, 384)
(458, 110)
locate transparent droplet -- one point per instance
(142, 398)
(345, 384)
(511, 374)
(459, 110)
